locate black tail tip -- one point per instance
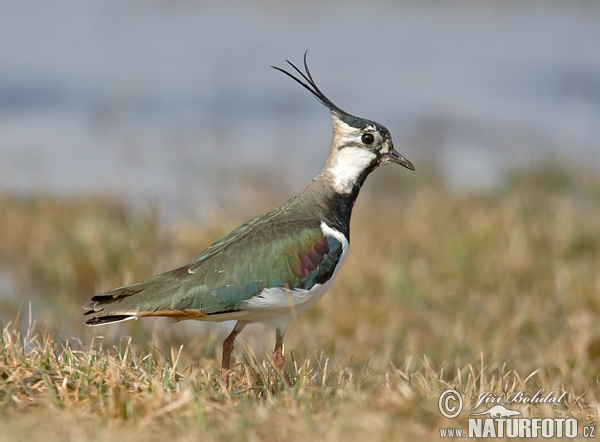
(99, 320)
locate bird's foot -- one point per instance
(278, 361)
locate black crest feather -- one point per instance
(310, 85)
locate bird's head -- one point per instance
(359, 145)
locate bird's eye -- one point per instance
(367, 138)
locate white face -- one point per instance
(349, 163)
(352, 153)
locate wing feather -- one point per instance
(237, 267)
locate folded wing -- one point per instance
(294, 254)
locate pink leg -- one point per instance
(228, 348)
(278, 357)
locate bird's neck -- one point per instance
(332, 194)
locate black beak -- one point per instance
(394, 157)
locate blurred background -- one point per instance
(171, 109)
(170, 100)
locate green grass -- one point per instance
(495, 291)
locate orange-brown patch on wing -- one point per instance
(176, 314)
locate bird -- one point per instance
(276, 265)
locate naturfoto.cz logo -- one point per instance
(500, 421)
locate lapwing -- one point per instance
(276, 265)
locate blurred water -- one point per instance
(174, 101)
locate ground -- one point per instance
(484, 292)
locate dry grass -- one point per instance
(494, 292)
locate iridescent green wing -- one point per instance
(237, 267)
